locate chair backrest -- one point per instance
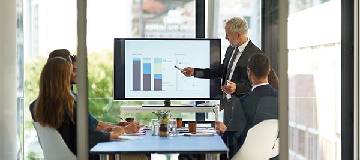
(52, 144)
(260, 141)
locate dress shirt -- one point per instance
(241, 49)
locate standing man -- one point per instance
(233, 69)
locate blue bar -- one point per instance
(158, 76)
(147, 68)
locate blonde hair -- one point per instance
(237, 25)
(55, 99)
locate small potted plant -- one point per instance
(163, 117)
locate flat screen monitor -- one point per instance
(144, 69)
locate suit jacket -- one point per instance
(256, 106)
(239, 76)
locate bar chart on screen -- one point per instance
(142, 76)
(156, 74)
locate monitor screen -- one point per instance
(145, 68)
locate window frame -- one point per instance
(347, 79)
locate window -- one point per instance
(128, 18)
(248, 9)
(314, 70)
(20, 77)
(46, 26)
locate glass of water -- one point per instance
(155, 125)
(172, 127)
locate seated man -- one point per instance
(246, 113)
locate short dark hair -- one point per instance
(259, 64)
(64, 53)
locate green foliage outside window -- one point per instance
(33, 156)
(32, 77)
(100, 89)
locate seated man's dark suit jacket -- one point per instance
(256, 106)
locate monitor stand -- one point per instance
(167, 103)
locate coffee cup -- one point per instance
(192, 127)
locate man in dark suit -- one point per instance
(233, 69)
(257, 105)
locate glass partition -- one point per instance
(314, 70)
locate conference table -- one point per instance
(211, 146)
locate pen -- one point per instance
(178, 68)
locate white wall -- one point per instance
(8, 137)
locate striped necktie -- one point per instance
(228, 70)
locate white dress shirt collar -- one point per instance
(261, 84)
(242, 47)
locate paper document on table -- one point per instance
(206, 130)
(129, 137)
(134, 134)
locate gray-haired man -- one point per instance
(232, 71)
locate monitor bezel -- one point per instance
(120, 67)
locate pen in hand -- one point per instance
(187, 71)
(180, 69)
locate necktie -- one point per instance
(228, 71)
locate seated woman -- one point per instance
(55, 105)
(94, 124)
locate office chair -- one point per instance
(261, 142)
(52, 144)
